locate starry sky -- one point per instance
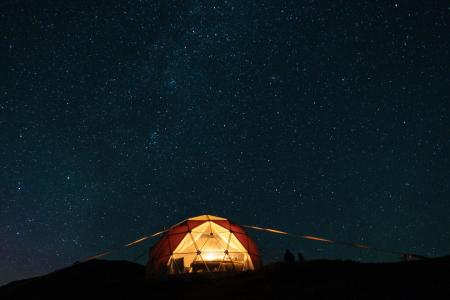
(119, 118)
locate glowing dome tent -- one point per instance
(203, 244)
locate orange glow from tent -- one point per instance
(212, 256)
(203, 244)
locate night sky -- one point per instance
(120, 118)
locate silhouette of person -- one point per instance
(289, 257)
(300, 257)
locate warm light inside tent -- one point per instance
(204, 243)
(209, 248)
(211, 256)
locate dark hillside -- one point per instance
(426, 279)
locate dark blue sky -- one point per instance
(320, 117)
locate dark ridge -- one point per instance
(82, 276)
(320, 279)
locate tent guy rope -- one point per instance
(128, 245)
(271, 230)
(324, 240)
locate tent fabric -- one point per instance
(203, 244)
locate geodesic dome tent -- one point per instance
(203, 244)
